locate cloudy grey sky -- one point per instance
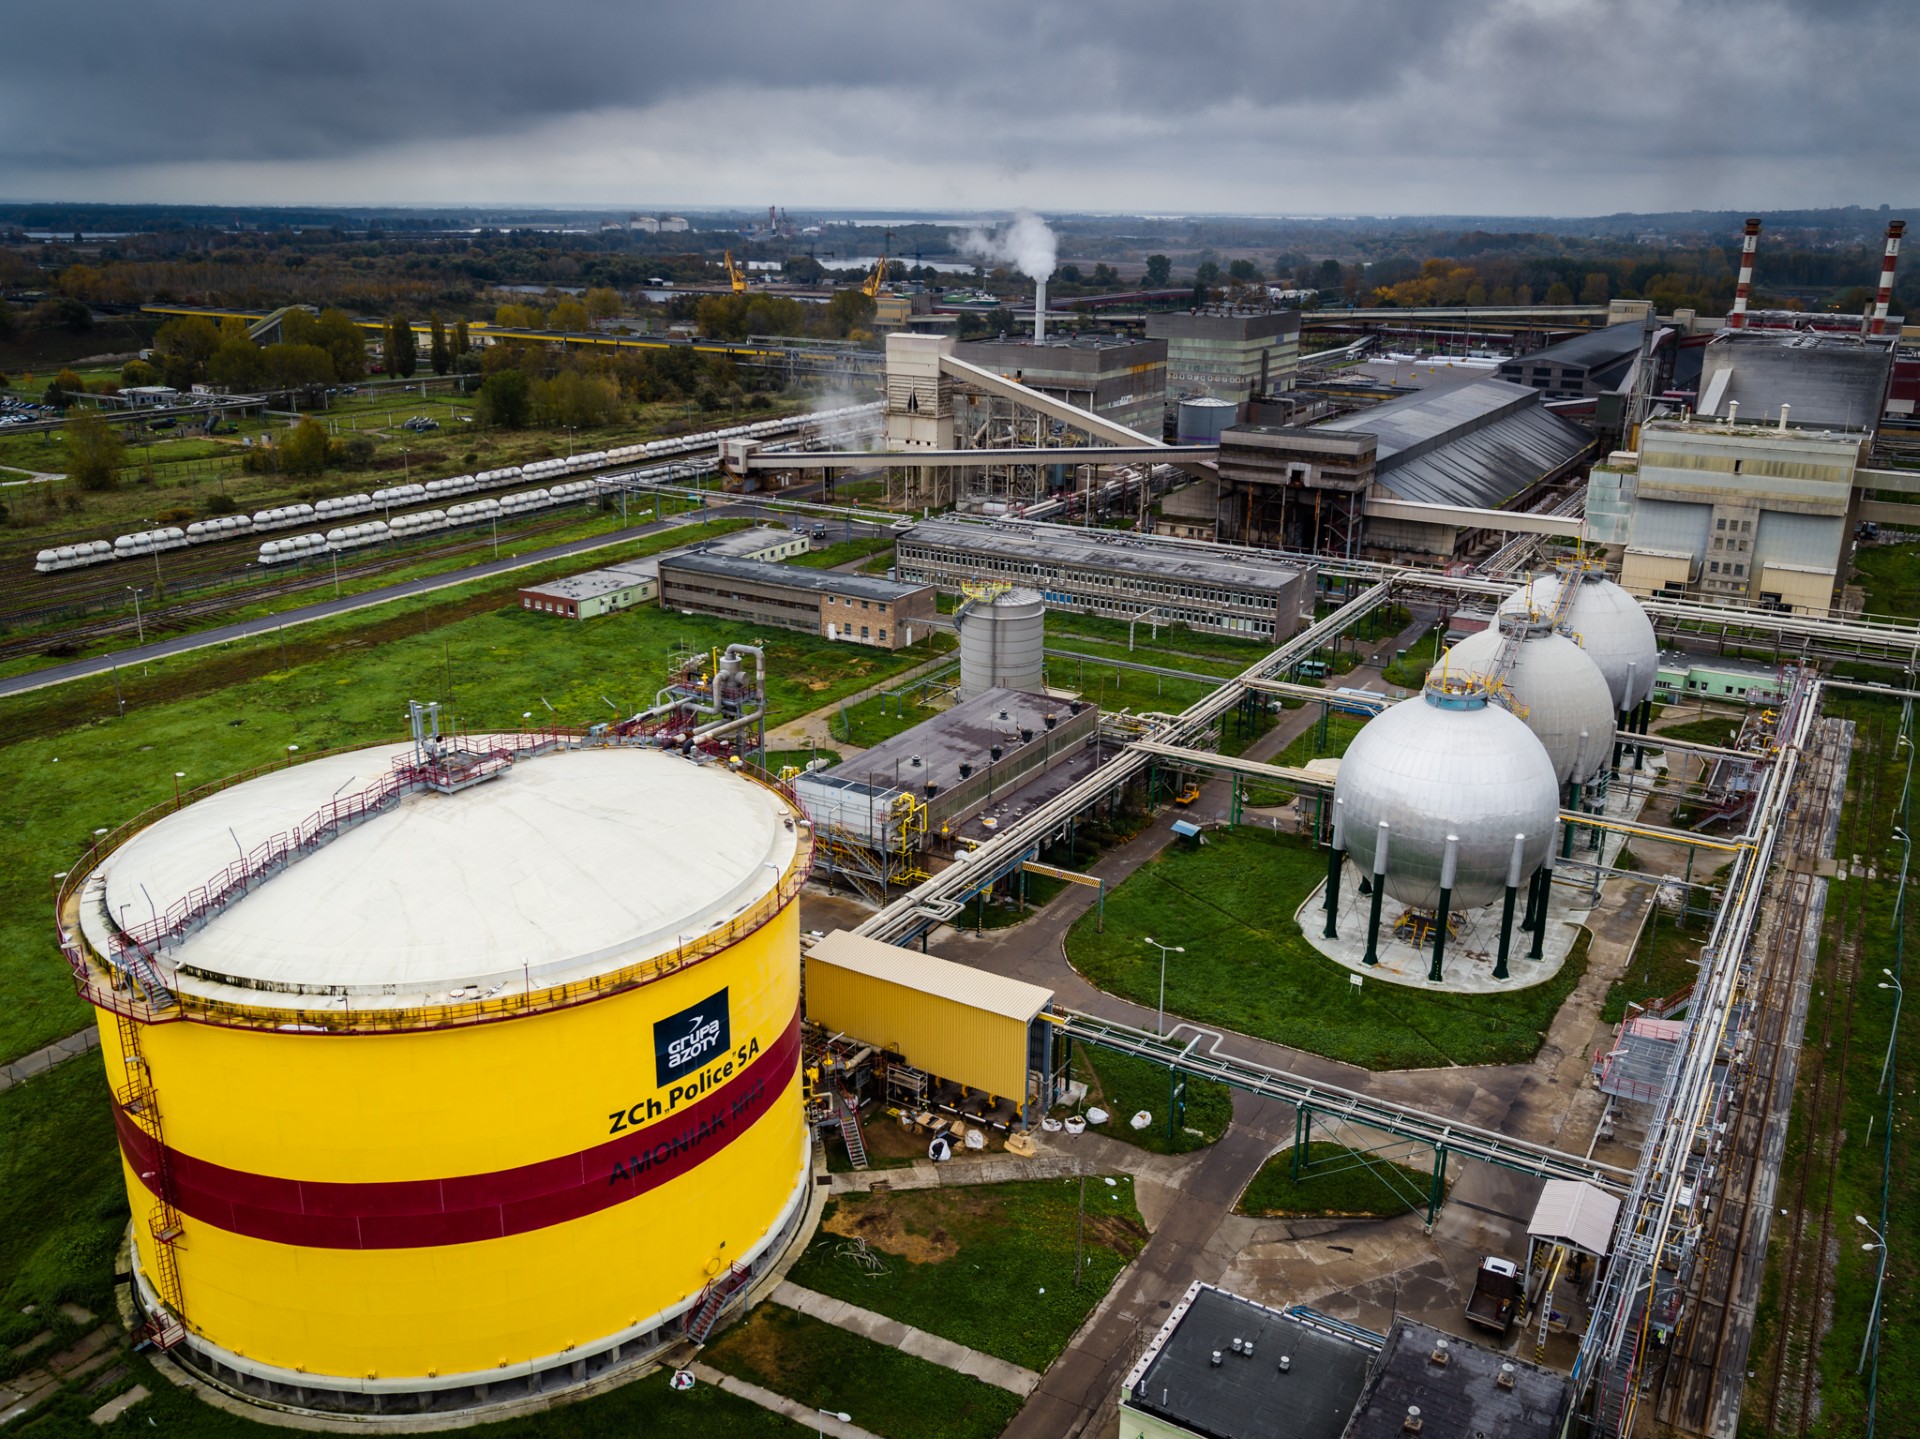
(1282, 106)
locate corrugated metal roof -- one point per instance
(1599, 347)
(798, 577)
(1577, 1214)
(960, 983)
(1477, 445)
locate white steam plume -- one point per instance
(1024, 242)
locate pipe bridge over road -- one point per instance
(1445, 1137)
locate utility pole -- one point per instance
(1080, 1234)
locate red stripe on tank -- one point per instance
(416, 1213)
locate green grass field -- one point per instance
(73, 767)
(1123, 1085)
(989, 1266)
(1666, 959)
(1248, 967)
(1336, 1182)
(887, 1392)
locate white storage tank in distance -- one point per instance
(1608, 624)
(1557, 684)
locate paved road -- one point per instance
(326, 609)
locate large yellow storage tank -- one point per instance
(483, 1079)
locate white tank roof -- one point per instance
(1608, 624)
(568, 865)
(1560, 687)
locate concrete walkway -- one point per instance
(809, 1418)
(80, 1042)
(816, 727)
(907, 1339)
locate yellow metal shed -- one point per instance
(951, 1020)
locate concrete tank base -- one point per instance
(315, 1401)
(1474, 941)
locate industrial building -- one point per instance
(939, 1036)
(1223, 1367)
(594, 592)
(860, 609)
(476, 1077)
(1583, 367)
(1760, 513)
(1331, 488)
(1682, 676)
(1805, 379)
(1105, 572)
(916, 788)
(1123, 379)
(1227, 356)
(1447, 1386)
(766, 543)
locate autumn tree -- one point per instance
(183, 346)
(1159, 271)
(403, 356)
(345, 343)
(93, 449)
(603, 303)
(438, 355)
(569, 316)
(505, 400)
(462, 341)
(304, 450)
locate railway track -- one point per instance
(1698, 1389)
(172, 618)
(1807, 1255)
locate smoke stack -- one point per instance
(1737, 316)
(1885, 296)
(1039, 311)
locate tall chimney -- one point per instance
(1881, 300)
(1737, 316)
(1039, 311)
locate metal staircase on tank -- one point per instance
(141, 1103)
(850, 1132)
(713, 1302)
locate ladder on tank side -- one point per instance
(140, 1102)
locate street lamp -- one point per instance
(334, 552)
(178, 775)
(826, 1414)
(1873, 1314)
(1160, 1026)
(139, 624)
(291, 750)
(1898, 995)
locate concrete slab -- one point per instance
(114, 1408)
(904, 1337)
(801, 1414)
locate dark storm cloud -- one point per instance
(1292, 105)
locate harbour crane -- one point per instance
(736, 276)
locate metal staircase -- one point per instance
(713, 1302)
(137, 1098)
(850, 1131)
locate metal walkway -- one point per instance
(1443, 1136)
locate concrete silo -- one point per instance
(446, 1076)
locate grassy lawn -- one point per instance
(845, 552)
(1716, 729)
(886, 1391)
(72, 766)
(1249, 969)
(1307, 745)
(1890, 574)
(1123, 1085)
(1666, 959)
(989, 1266)
(1116, 689)
(1336, 1182)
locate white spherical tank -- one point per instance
(1447, 762)
(1003, 639)
(1608, 624)
(1556, 683)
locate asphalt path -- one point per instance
(367, 599)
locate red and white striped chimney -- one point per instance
(1737, 316)
(1884, 297)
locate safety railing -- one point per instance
(102, 981)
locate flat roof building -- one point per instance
(955, 764)
(1458, 1389)
(861, 609)
(765, 543)
(1225, 356)
(1223, 1367)
(595, 592)
(1105, 572)
(1123, 379)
